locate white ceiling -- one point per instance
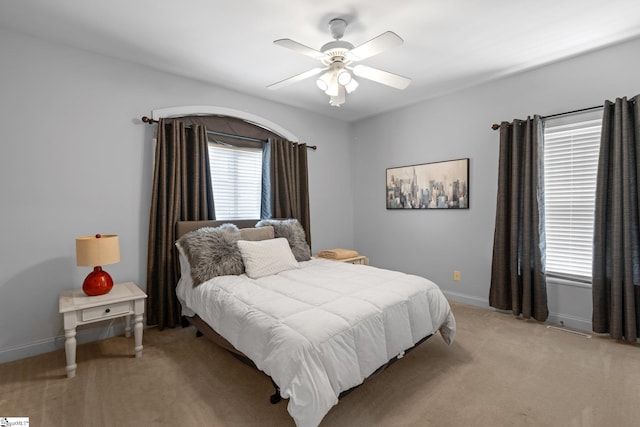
(448, 45)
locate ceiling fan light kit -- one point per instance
(337, 57)
(336, 82)
(344, 78)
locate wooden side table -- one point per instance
(124, 300)
(360, 259)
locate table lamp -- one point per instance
(96, 251)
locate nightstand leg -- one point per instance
(137, 334)
(127, 326)
(70, 351)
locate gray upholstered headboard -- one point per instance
(183, 227)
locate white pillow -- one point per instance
(266, 257)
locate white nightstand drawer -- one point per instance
(105, 311)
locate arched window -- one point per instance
(238, 156)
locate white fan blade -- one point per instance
(300, 48)
(295, 79)
(376, 45)
(384, 77)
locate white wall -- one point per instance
(434, 243)
(76, 160)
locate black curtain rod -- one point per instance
(497, 126)
(146, 119)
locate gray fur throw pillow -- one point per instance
(291, 230)
(212, 252)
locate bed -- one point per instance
(317, 328)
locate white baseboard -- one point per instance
(554, 318)
(467, 299)
(83, 335)
(570, 321)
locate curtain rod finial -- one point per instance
(146, 119)
(495, 126)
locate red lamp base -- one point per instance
(98, 282)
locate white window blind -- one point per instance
(571, 148)
(236, 175)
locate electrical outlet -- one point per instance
(456, 275)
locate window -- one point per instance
(571, 147)
(236, 175)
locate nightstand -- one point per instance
(360, 259)
(124, 300)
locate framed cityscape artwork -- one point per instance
(439, 185)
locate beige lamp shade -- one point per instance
(101, 249)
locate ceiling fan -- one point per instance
(338, 57)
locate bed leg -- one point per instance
(275, 398)
(184, 322)
(198, 334)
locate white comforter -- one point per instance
(320, 329)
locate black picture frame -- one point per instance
(437, 185)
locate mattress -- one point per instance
(322, 328)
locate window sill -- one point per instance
(567, 281)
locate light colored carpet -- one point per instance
(501, 371)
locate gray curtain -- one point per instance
(182, 190)
(616, 237)
(289, 182)
(518, 281)
(265, 200)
